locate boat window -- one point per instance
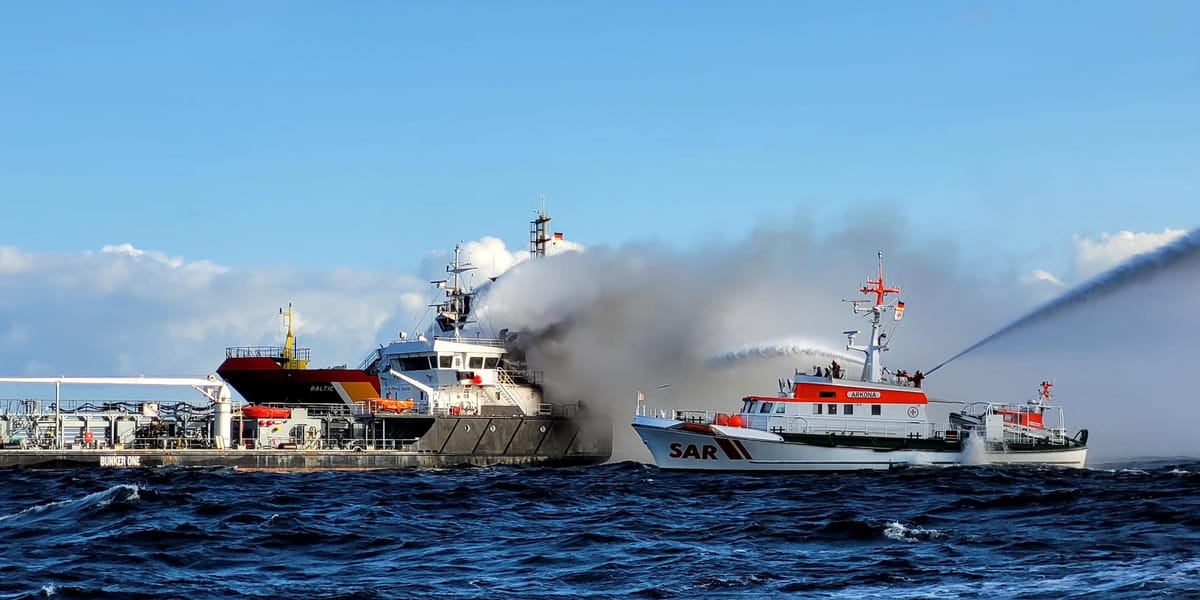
(876, 409)
(747, 406)
(780, 408)
(475, 362)
(833, 409)
(847, 409)
(817, 408)
(413, 363)
(828, 395)
(766, 407)
(491, 362)
(444, 361)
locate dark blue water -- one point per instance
(621, 530)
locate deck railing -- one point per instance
(266, 352)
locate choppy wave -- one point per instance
(620, 530)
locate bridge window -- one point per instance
(833, 409)
(475, 362)
(847, 409)
(747, 406)
(491, 362)
(444, 361)
(876, 409)
(766, 407)
(817, 408)
(780, 408)
(413, 363)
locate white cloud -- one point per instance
(1040, 276)
(490, 256)
(1094, 256)
(13, 260)
(123, 310)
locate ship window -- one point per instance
(747, 406)
(817, 409)
(833, 409)
(847, 409)
(828, 394)
(444, 361)
(475, 362)
(766, 407)
(413, 363)
(491, 362)
(876, 409)
(780, 408)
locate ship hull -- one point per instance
(444, 442)
(262, 380)
(1067, 457)
(712, 449)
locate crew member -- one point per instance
(917, 377)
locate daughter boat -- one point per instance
(821, 422)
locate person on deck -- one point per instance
(917, 377)
(837, 369)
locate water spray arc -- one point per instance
(779, 350)
(1136, 269)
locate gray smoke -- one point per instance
(606, 323)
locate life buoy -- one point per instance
(88, 437)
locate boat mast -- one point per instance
(872, 366)
(452, 314)
(289, 343)
(537, 232)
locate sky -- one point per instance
(172, 174)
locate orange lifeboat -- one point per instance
(266, 412)
(389, 405)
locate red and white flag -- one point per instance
(899, 314)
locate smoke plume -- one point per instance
(687, 326)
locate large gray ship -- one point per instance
(443, 400)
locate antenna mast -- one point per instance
(872, 366)
(537, 232)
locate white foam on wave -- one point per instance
(899, 531)
(123, 493)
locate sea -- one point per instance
(621, 530)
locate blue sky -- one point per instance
(365, 134)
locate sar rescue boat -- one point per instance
(823, 422)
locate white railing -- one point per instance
(503, 380)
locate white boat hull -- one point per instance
(1067, 457)
(680, 449)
